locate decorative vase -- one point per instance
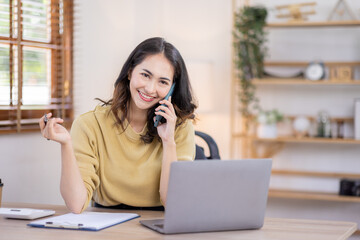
(267, 130)
(301, 126)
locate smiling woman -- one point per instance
(115, 155)
(35, 62)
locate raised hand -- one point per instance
(53, 130)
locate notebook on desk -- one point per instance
(215, 195)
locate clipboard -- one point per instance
(88, 221)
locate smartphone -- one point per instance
(158, 117)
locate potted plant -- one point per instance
(249, 39)
(267, 123)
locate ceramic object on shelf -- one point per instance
(301, 126)
(315, 71)
(267, 130)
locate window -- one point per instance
(35, 62)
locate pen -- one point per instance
(45, 121)
(64, 225)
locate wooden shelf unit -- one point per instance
(308, 195)
(297, 81)
(306, 140)
(247, 142)
(285, 172)
(304, 64)
(314, 24)
(302, 81)
(276, 193)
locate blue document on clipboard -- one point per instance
(89, 221)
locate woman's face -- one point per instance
(150, 81)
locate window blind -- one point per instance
(35, 62)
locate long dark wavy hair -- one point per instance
(182, 97)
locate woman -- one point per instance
(114, 154)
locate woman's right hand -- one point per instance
(52, 130)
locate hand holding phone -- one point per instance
(159, 117)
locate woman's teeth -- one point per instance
(146, 96)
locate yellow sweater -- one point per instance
(117, 167)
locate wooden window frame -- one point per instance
(16, 118)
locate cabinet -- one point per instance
(249, 143)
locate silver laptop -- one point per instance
(215, 195)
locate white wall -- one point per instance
(30, 169)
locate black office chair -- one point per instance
(211, 145)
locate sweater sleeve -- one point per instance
(185, 141)
(83, 136)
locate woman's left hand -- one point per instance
(166, 130)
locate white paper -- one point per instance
(88, 220)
